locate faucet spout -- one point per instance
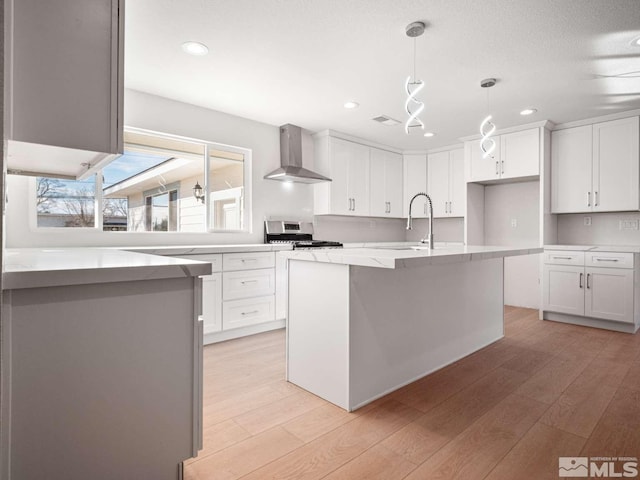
(428, 238)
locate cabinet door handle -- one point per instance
(252, 312)
(354, 204)
(596, 203)
(588, 278)
(502, 166)
(581, 277)
(449, 210)
(588, 199)
(497, 173)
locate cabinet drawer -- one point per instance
(561, 257)
(249, 311)
(248, 261)
(249, 283)
(609, 259)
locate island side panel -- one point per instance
(409, 322)
(318, 329)
(103, 380)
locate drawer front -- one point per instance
(248, 261)
(215, 259)
(561, 257)
(609, 259)
(249, 311)
(249, 283)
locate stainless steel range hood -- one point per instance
(291, 169)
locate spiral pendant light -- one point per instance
(487, 127)
(413, 85)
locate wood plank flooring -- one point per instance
(506, 412)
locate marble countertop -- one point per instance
(48, 267)
(390, 256)
(596, 248)
(206, 249)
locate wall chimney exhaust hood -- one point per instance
(291, 169)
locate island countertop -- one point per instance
(405, 256)
(48, 267)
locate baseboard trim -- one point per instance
(590, 322)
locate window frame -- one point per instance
(246, 203)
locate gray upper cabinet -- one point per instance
(65, 84)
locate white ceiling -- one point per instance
(298, 61)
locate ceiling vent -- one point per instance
(383, 119)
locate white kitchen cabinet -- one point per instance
(481, 169)
(66, 83)
(385, 183)
(520, 154)
(517, 155)
(595, 168)
(347, 164)
(616, 173)
(609, 294)
(571, 173)
(445, 183)
(414, 181)
(212, 303)
(564, 289)
(591, 286)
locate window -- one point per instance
(65, 203)
(150, 188)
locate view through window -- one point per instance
(150, 188)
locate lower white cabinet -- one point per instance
(247, 289)
(609, 294)
(212, 303)
(574, 283)
(248, 311)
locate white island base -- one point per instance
(356, 333)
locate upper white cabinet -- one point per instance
(516, 155)
(594, 168)
(445, 183)
(386, 184)
(366, 181)
(414, 181)
(65, 84)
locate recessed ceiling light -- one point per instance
(429, 134)
(351, 105)
(528, 111)
(195, 48)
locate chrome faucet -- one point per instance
(427, 238)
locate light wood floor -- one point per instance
(506, 412)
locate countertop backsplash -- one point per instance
(604, 229)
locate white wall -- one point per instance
(519, 202)
(269, 198)
(444, 229)
(604, 229)
(358, 229)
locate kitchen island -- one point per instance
(101, 364)
(363, 322)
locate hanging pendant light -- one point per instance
(487, 127)
(413, 86)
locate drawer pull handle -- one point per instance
(606, 259)
(244, 282)
(562, 258)
(248, 260)
(588, 278)
(252, 312)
